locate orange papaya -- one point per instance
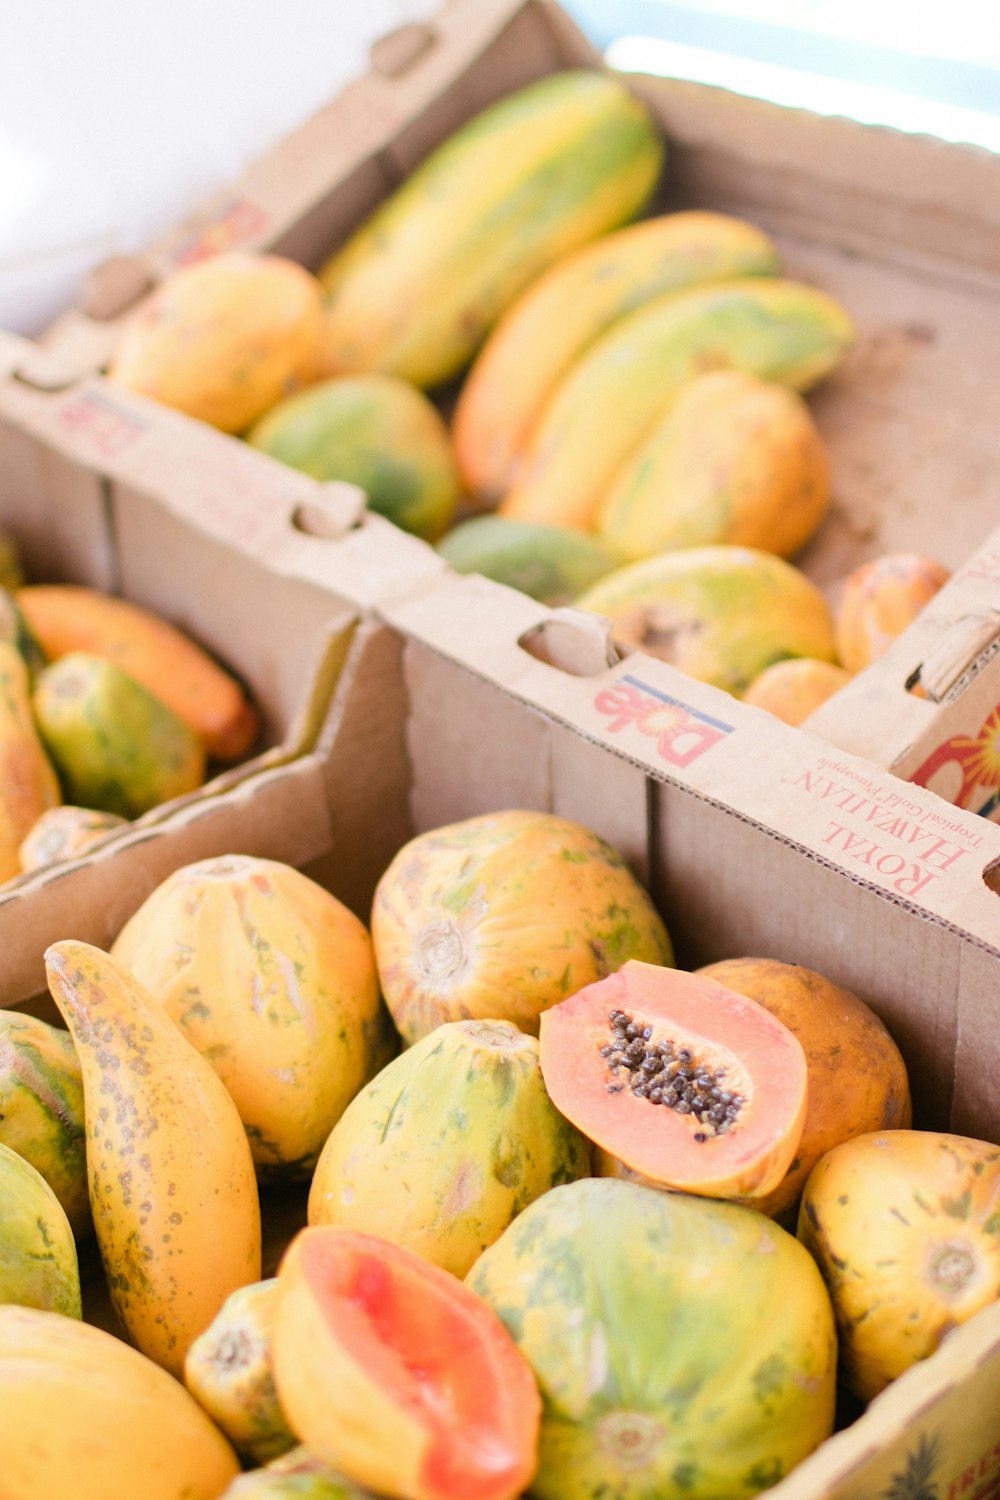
(28, 782)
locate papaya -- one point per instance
(28, 782)
(87, 1416)
(229, 1371)
(372, 1340)
(905, 1229)
(302, 1477)
(15, 629)
(795, 688)
(41, 1108)
(116, 746)
(416, 288)
(684, 1347)
(612, 397)
(878, 600)
(498, 916)
(64, 831)
(374, 431)
(11, 563)
(447, 1145)
(549, 563)
(38, 1260)
(273, 981)
(565, 309)
(68, 617)
(172, 1187)
(225, 338)
(689, 1083)
(721, 613)
(736, 459)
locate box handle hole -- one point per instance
(336, 509)
(574, 641)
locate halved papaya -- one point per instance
(394, 1372)
(685, 1081)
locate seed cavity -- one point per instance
(667, 1075)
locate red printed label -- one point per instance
(681, 733)
(237, 223)
(105, 428)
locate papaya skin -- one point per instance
(87, 1416)
(172, 1186)
(69, 617)
(225, 338)
(905, 1228)
(793, 689)
(879, 600)
(28, 782)
(64, 831)
(38, 1260)
(564, 310)
(612, 397)
(41, 1108)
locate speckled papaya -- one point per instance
(64, 831)
(878, 600)
(225, 338)
(273, 980)
(447, 1145)
(905, 1228)
(541, 171)
(613, 395)
(499, 916)
(41, 1108)
(28, 782)
(116, 746)
(172, 1186)
(561, 314)
(228, 1370)
(38, 1259)
(85, 1415)
(721, 613)
(684, 1347)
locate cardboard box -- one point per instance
(753, 839)
(902, 229)
(265, 567)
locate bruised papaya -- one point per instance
(735, 459)
(879, 600)
(905, 1228)
(721, 613)
(543, 170)
(67, 617)
(28, 782)
(229, 1371)
(689, 1083)
(41, 1108)
(399, 1164)
(88, 1416)
(372, 1341)
(38, 1260)
(564, 310)
(374, 431)
(499, 916)
(64, 831)
(273, 981)
(116, 746)
(684, 1348)
(225, 338)
(612, 397)
(550, 563)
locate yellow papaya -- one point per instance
(612, 397)
(85, 1415)
(225, 338)
(28, 782)
(736, 459)
(64, 831)
(563, 311)
(795, 688)
(38, 1261)
(414, 291)
(172, 1186)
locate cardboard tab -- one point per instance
(395, 53)
(116, 285)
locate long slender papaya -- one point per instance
(543, 170)
(68, 617)
(28, 782)
(567, 308)
(172, 1186)
(613, 396)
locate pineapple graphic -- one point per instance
(916, 1482)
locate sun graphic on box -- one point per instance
(978, 761)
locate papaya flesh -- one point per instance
(372, 1342)
(905, 1228)
(549, 167)
(688, 1083)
